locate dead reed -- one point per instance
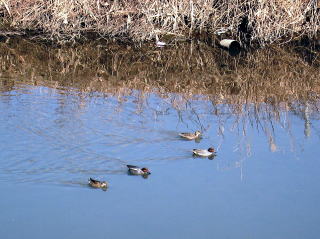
(263, 21)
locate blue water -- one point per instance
(263, 183)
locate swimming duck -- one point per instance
(97, 184)
(203, 152)
(134, 170)
(190, 136)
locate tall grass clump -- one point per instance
(263, 21)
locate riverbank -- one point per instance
(260, 22)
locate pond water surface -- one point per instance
(263, 183)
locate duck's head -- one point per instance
(211, 150)
(104, 184)
(146, 171)
(197, 133)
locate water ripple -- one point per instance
(51, 136)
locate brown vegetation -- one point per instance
(263, 21)
(267, 75)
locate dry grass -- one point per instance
(138, 20)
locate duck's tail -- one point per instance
(92, 180)
(131, 166)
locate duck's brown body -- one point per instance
(190, 136)
(97, 184)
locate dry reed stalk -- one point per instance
(139, 20)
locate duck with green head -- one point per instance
(204, 152)
(134, 170)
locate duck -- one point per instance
(204, 152)
(97, 184)
(135, 170)
(190, 136)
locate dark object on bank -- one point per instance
(245, 31)
(233, 46)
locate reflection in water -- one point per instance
(257, 90)
(71, 114)
(56, 135)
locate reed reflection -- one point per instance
(96, 107)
